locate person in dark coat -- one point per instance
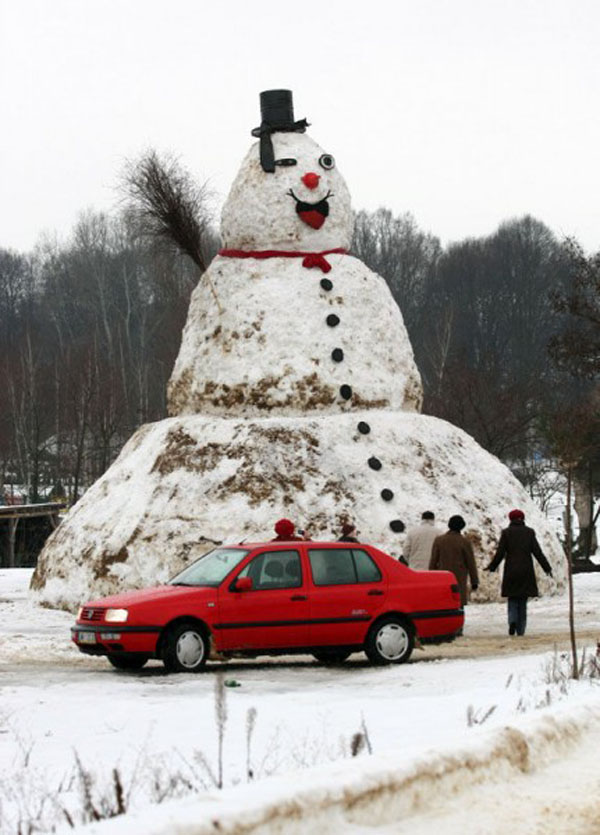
(348, 533)
(453, 552)
(517, 545)
(286, 531)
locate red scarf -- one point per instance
(310, 259)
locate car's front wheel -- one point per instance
(390, 641)
(185, 649)
(128, 660)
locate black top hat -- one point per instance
(277, 114)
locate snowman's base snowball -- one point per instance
(183, 485)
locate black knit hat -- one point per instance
(456, 523)
(277, 114)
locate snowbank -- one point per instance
(369, 791)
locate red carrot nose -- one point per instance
(311, 180)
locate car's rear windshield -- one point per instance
(211, 569)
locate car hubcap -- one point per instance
(190, 649)
(392, 641)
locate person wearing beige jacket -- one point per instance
(419, 542)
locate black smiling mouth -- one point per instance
(321, 206)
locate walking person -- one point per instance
(419, 542)
(453, 552)
(348, 533)
(517, 545)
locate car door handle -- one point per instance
(298, 597)
(374, 592)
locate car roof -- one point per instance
(294, 542)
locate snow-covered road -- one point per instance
(291, 718)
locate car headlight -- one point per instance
(79, 612)
(116, 615)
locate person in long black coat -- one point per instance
(517, 545)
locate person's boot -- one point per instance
(512, 628)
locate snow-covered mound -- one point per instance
(182, 485)
(289, 338)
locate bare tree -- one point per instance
(437, 349)
(576, 346)
(483, 347)
(571, 448)
(403, 254)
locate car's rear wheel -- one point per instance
(390, 641)
(185, 649)
(128, 660)
(331, 656)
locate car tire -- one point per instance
(390, 641)
(127, 660)
(331, 656)
(185, 649)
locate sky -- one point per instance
(464, 113)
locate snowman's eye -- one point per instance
(326, 161)
(286, 162)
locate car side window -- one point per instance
(332, 566)
(366, 569)
(339, 566)
(274, 570)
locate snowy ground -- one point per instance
(487, 724)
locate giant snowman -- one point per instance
(295, 393)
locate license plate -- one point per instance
(87, 638)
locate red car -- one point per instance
(327, 599)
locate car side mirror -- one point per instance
(243, 584)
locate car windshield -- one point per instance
(211, 569)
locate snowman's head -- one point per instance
(304, 204)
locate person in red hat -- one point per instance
(286, 531)
(518, 544)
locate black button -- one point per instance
(337, 355)
(326, 284)
(387, 495)
(397, 525)
(374, 463)
(363, 427)
(332, 320)
(346, 392)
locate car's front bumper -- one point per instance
(103, 639)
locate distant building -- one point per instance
(24, 528)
